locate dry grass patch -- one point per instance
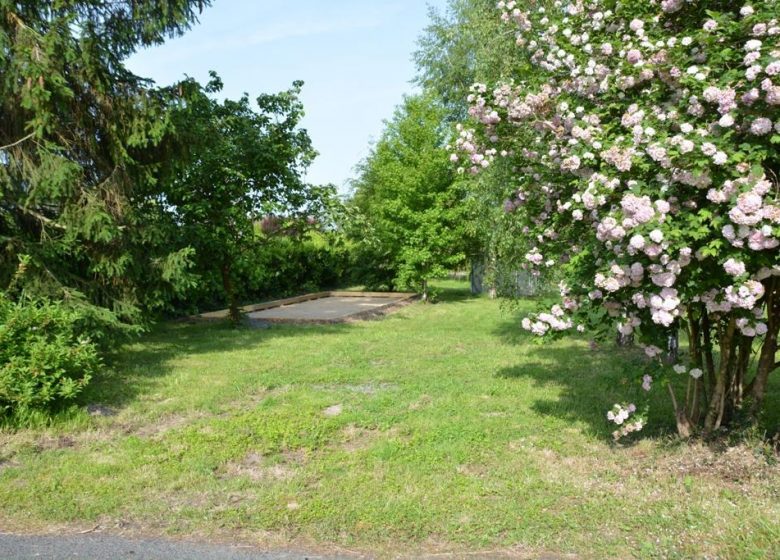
(258, 467)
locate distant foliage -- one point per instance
(46, 357)
(278, 266)
(289, 267)
(408, 212)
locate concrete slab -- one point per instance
(322, 307)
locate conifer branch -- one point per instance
(17, 142)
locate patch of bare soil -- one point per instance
(7, 464)
(110, 424)
(423, 402)
(259, 467)
(360, 388)
(739, 465)
(13, 444)
(356, 438)
(334, 410)
(162, 426)
(49, 443)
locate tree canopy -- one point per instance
(244, 165)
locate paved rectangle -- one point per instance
(320, 307)
(326, 308)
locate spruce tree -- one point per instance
(84, 144)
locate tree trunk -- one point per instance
(709, 361)
(673, 346)
(696, 395)
(694, 339)
(624, 340)
(717, 403)
(684, 429)
(745, 350)
(766, 361)
(227, 284)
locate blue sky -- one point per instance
(353, 55)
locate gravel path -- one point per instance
(106, 547)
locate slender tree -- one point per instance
(464, 43)
(245, 163)
(410, 207)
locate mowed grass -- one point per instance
(441, 428)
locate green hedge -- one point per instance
(278, 266)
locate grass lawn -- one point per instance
(440, 428)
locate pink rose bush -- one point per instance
(646, 135)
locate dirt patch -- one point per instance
(648, 471)
(423, 402)
(10, 464)
(161, 426)
(259, 467)
(738, 465)
(334, 410)
(473, 470)
(360, 388)
(357, 438)
(48, 443)
(108, 431)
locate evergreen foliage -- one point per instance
(83, 145)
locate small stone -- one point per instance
(332, 411)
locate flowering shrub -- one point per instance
(642, 138)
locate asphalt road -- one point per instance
(106, 547)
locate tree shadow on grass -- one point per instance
(138, 366)
(591, 381)
(452, 293)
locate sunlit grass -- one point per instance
(441, 427)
